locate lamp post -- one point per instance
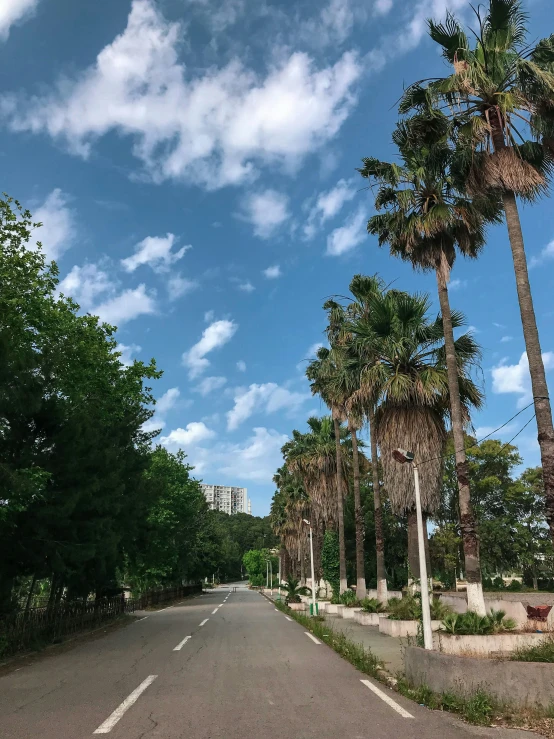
(267, 574)
(403, 456)
(314, 609)
(279, 582)
(271, 574)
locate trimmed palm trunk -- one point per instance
(470, 539)
(541, 398)
(382, 590)
(361, 591)
(340, 510)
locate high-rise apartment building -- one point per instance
(226, 498)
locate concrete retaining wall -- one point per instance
(368, 619)
(486, 645)
(512, 608)
(349, 612)
(391, 593)
(517, 683)
(391, 627)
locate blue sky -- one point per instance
(193, 163)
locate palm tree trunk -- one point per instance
(413, 548)
(302, 563)
(382, 590)
(470, 539)
(342, 548)
(541, 398)
(361, 591)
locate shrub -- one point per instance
(439, 610)
(472, 624)
(348, 598)
(498, 582)
(258, 581)
(515, 586)
(372, 605)
(407, 609)
(294, 590)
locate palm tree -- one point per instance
(289, 506)
(406, 379)
(363, 288)
(426, 221)
(318, 372)
(500, 88)
(294, 590)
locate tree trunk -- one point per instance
(361, 591)
(541, 398)
(342, 548)
(382, 590)
(413, 548)
(302, 563)
(470, 539)
(30, 595)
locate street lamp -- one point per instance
(314, 611)
(403, 456)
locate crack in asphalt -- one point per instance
(40, 697)
(154, 726)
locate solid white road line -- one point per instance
(215, 610)
(204, 621)
(141, 619)
(288, 618)
(312, 637)
(110, 722)
(384, 697)
(182, 644)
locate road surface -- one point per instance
(222, 665)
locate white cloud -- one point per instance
(546, 254)
(241, 366)
(13, 11)
(505, 339)
(177, 286)
(209, 384)
(347, 237)
(209, 316)
(515, 378)
(86, 284)
(215, 127)
(310, 354)
(58, 228)
(457, 285)
(246, 287)
(485, 431)
(272, 273)
(472, 330)
(127, 351)
(215, 336)
(266, 211)
(167, 401)
(195, 432)
(156, 252)
(127, 305)
(267, 398)
(328, 205)
(382, 7)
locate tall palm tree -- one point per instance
(500, 88)
(406, 379)
(426, 220)
(289, 506)
(319, 372)
(363, 288)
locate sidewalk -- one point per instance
(386, 648)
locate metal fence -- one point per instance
(36, 627)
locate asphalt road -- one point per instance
(245, 672)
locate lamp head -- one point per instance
(402, 456)
(306, 521)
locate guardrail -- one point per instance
(27, 630)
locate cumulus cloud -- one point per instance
(156, 252)
(546, 255)
(161, 409)
(193, 434)
(506, 339)
(210, 384)
(515, 378)
(457, 284)
(266, 398)
(215, 336)
(272, 273)
(246, 287)
(58, 226)
(347, 237)
(382, 7)
(14, 11)
(86, 284)
(216, 128)
(177, 286)
(241, 366)
(126, 306)
(266, 211)
(327, 206)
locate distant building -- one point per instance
(227, 499)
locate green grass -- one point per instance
(477, 709)
(541, 653)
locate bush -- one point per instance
(349, 599)
(258, 581)
(515, 586)
(472, 624)
(439, 610)
(372, 605)
(406, 609)
(498, 583)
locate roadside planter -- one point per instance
(368, 619)
(332, 608)
(391, 627)
(297, 606)
(350, 612)
(485, 645)
(340, 609)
